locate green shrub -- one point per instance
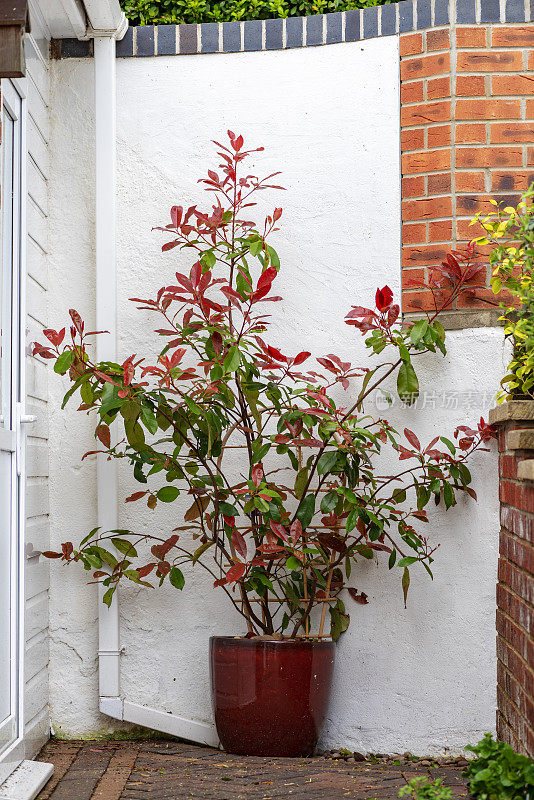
(498, 773)
(423, 789)
(169, 12)
(511, 231)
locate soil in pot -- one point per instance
(270, 697)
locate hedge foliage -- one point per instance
(166, 12)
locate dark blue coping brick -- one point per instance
(370, 22)
(389, 19)
(145, 40)
(294, 31)
(314, 29)
(334, 27)
(490, 11)
(352, 25)
(515, 11)
(253, 34)
(441, 12)
(74, 48)
(166, 40)
(231, 37)
(188, 38)
(125, 45)
(424, 14)
(465, 11)
(274, 34)
(405, 16)
(209, 37)
(532, 10)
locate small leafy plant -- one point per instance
(498, 773)
(422, 789)
(279, 538)
(511, 231)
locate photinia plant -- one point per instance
(281, 540)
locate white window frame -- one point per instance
(14, 100)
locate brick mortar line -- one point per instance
(528, 605)
(522, 714)
(519, 713)
(514, 622)
(514, 677)
(509, 645)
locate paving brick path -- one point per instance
(167, 770)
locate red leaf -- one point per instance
(412, 438)
(146, 570)
(235, 573)
(278, 530)
(257, 474)
(238, 541)
(104, 435)
(216, 341)
(77, 320)
(301, 357)
(51, 554)
(135, 496)
(383, 298)
(54, 337)
(359, 597)
(295, 531)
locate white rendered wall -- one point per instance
(421, 679)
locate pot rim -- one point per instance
(278, 642)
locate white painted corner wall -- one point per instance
(421, 679)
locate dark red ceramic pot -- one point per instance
(270, 698)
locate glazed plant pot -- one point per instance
(270, 697)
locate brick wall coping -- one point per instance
(513, 411)
(319, 29)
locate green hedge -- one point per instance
(165, 12)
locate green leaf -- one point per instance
(407, 383)
(124, 546)
(418, 330)
(176, 578)
(64, 361)
(405, 583)
(352, 519)
(167, 494)
(405, 562)
(149, 420)
(293, 563)
(232, 360)
(448, 494)
(449, 444)
(300, 481)
(392, 559)
(327, 462)
(306, 510)
(465, 474)
(202, 549)
(329, 502)
(108, 596)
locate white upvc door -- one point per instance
(11, 380)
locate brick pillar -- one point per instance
(467, 134)
(515, 588)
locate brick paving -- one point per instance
(169, 770)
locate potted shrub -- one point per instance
(281, 541)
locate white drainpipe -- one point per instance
(108, 24)
(106, 347)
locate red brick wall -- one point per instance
(515, 597)
(467, 134)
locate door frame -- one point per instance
(14, 98)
